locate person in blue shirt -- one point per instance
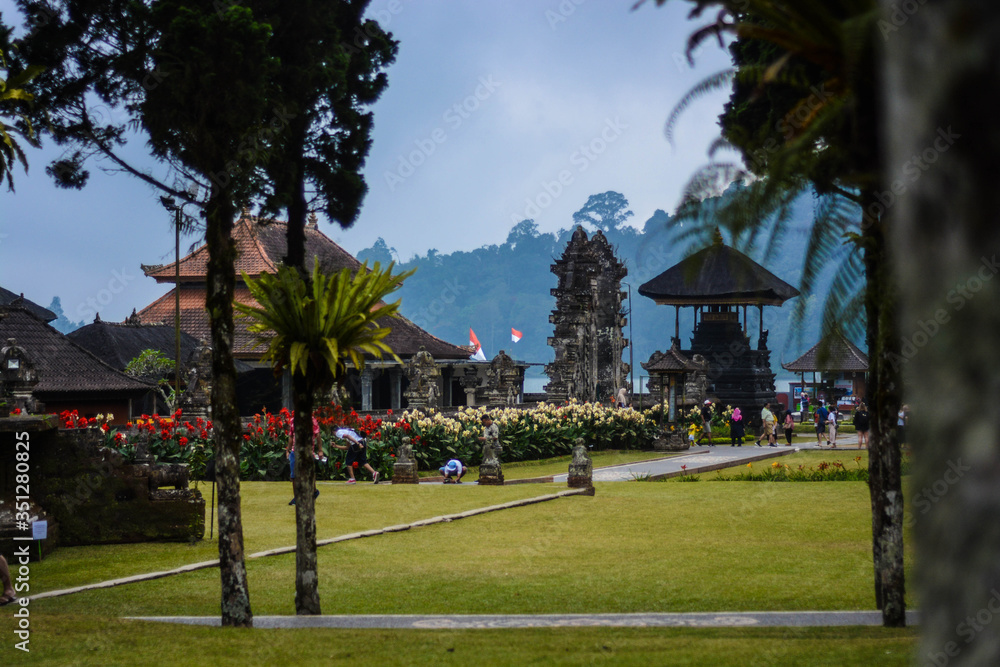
(820, 417)
(452, 472)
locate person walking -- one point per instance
(768, 421)
(820, 419)
(789, 425)
(706, 423)
(862, 424)
(737, 428)
(831, 421)
(356, 454)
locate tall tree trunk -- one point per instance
(940, 63)
(884, 387)
(225, 417)
(306, 570)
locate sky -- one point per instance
(495, 112)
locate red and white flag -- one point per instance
(474, 342)
(515, 335)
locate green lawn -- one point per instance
(634, 547)
(559, 465)
(808, 458)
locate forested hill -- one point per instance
(496, 287)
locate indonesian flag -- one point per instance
(474, 342)
(515, 335)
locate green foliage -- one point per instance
(14, 100)
(313, 327)
(149, 363)
(824, 471)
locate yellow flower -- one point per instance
(749, 465)
(775, 465)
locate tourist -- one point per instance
(901, 418)
(789, 425)
(622, 398)
(8, 589)
(706, 423)
(356, 455)
(820, 418)
(452, 469)
(290, 452)
(805, 407)
(862, 424)
(831, 422)
(491, 433)
(737, 428)
(768, 420)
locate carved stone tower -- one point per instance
(588, 321)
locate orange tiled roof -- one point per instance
(260, 247)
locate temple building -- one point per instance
(261, 244)
(840, 364)
(588, 319)
(719, 283)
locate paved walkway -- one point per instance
(704, 458)
(740, 619)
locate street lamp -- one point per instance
(178, 211)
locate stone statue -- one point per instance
(423, 375)
(404, 470)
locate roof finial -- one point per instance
(313, 220)
(716, 237)
(245, 212)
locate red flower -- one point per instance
(208, 424)
(105, 428)
(203, 435)
(82, 423)
(246, 436)
(354, 465)
(389, 411)
(183, 441)
(177, 413)
(17, 411)
(165, 435)
(337, 465)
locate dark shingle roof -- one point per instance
(834, 353)
(8, 298)
(670, 361)
(116, 344)
(63, 367)
(718, 274)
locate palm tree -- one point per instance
(807, 115)
(313, 328)
(13, 99)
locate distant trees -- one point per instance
(606, 211)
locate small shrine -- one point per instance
(719, 283)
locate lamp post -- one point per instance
(170, 205)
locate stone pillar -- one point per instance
(470, 381)
(490, 470)
(404, 470)
(396, 388)
(366, 389)
(581, 468)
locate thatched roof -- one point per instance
(832, 354)
(718, 274)
(671, 361)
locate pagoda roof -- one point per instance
(671, 361)
(833, 353)
(63, 367)
(718, 274)
(261, 245)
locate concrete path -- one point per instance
(704, 458)
(741, 619)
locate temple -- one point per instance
(717, 283)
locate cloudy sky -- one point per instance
(495, 112)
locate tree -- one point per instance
(14, 100)
(606, 211)
(155, 366)
(944, 225)
(311, 328)
(827, 135)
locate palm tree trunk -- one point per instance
(226, 420)
(945, 227)
(306, 568)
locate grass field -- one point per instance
(633, 547)
(560, 464)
